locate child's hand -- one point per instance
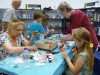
(32, 48)
(74, 50)
(63, 52)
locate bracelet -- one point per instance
(26, 49)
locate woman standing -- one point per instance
(77, 19)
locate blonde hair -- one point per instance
(64, 5)
(83, 34)
(12, 26)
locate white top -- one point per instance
(9, 15)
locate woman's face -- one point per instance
(66, 14)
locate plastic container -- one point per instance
(26, 54)
(41, 37)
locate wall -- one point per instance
(46, 3)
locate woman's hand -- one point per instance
(68, 37)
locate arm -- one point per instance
(75, 68)
(68, 37)
(12, 49)
(16, 49)
(6, 43)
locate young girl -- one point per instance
(83, 61)
(11, 39)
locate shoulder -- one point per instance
(77, 13)
(33, 23)
(84, 55)
(10, 10)
(38, 24)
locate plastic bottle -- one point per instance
(41, 37)
(50, 44)
(26, 54)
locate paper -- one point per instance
(19, 60)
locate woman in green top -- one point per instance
(83, 62)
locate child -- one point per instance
(12, 39)
(35, 28)
(83, 61)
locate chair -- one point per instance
(96, 70)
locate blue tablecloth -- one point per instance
(30, 68)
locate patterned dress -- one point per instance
(5, 39)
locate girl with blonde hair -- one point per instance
(11, 39)
(83, 61)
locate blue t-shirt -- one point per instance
(35, 27)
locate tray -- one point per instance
(48, 45)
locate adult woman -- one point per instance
(77, 19)
(83, 61)
(12, 39)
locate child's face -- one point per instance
(79, 43)
(40, 19)
(18, 30)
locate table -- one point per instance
(30, 68)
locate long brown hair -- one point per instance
(83, 34)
